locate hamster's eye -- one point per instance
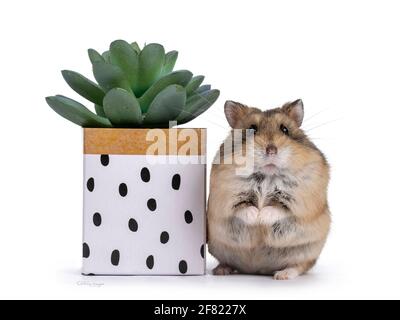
(284, 129)
(254, 128)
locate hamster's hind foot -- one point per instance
(293, 272)
(286, 274)
(223, 270)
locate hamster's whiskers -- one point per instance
(323, 124)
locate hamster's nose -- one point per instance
(272, 150)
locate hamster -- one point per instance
(274, 219)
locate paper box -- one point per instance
(144, 202)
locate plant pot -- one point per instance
(144, 202)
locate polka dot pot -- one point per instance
(144, 214)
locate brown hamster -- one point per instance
(273, 220)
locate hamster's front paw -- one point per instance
(249, 215)
(270, 215)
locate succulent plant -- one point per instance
(135, 88)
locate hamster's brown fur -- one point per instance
(275, 219)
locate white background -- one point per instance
(341, 57)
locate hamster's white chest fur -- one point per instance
(245, 244)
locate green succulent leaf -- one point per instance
(151, 62)
(94, 56)
(170, 60)
(136, 47)
(110, 76)
(76, 112)
(122, 108)
(197, 104)
(106, 56)
(194, 84)
(166, 106)
(203, 88)
(83, 86)
(100, 110)
(181, 78)
(125, 57)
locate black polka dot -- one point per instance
(86, 250)
(97, 219)
(176, 182)
(123, 189)
(164, 238)
(152, 204)
(202, 251)
(115, 258)
(183, 267)
(105, 159)
(188, 217)
(90, 184)
(150, 262)
(133, 225)
(145, 175)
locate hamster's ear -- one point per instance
(295, 110)
(235, 111)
